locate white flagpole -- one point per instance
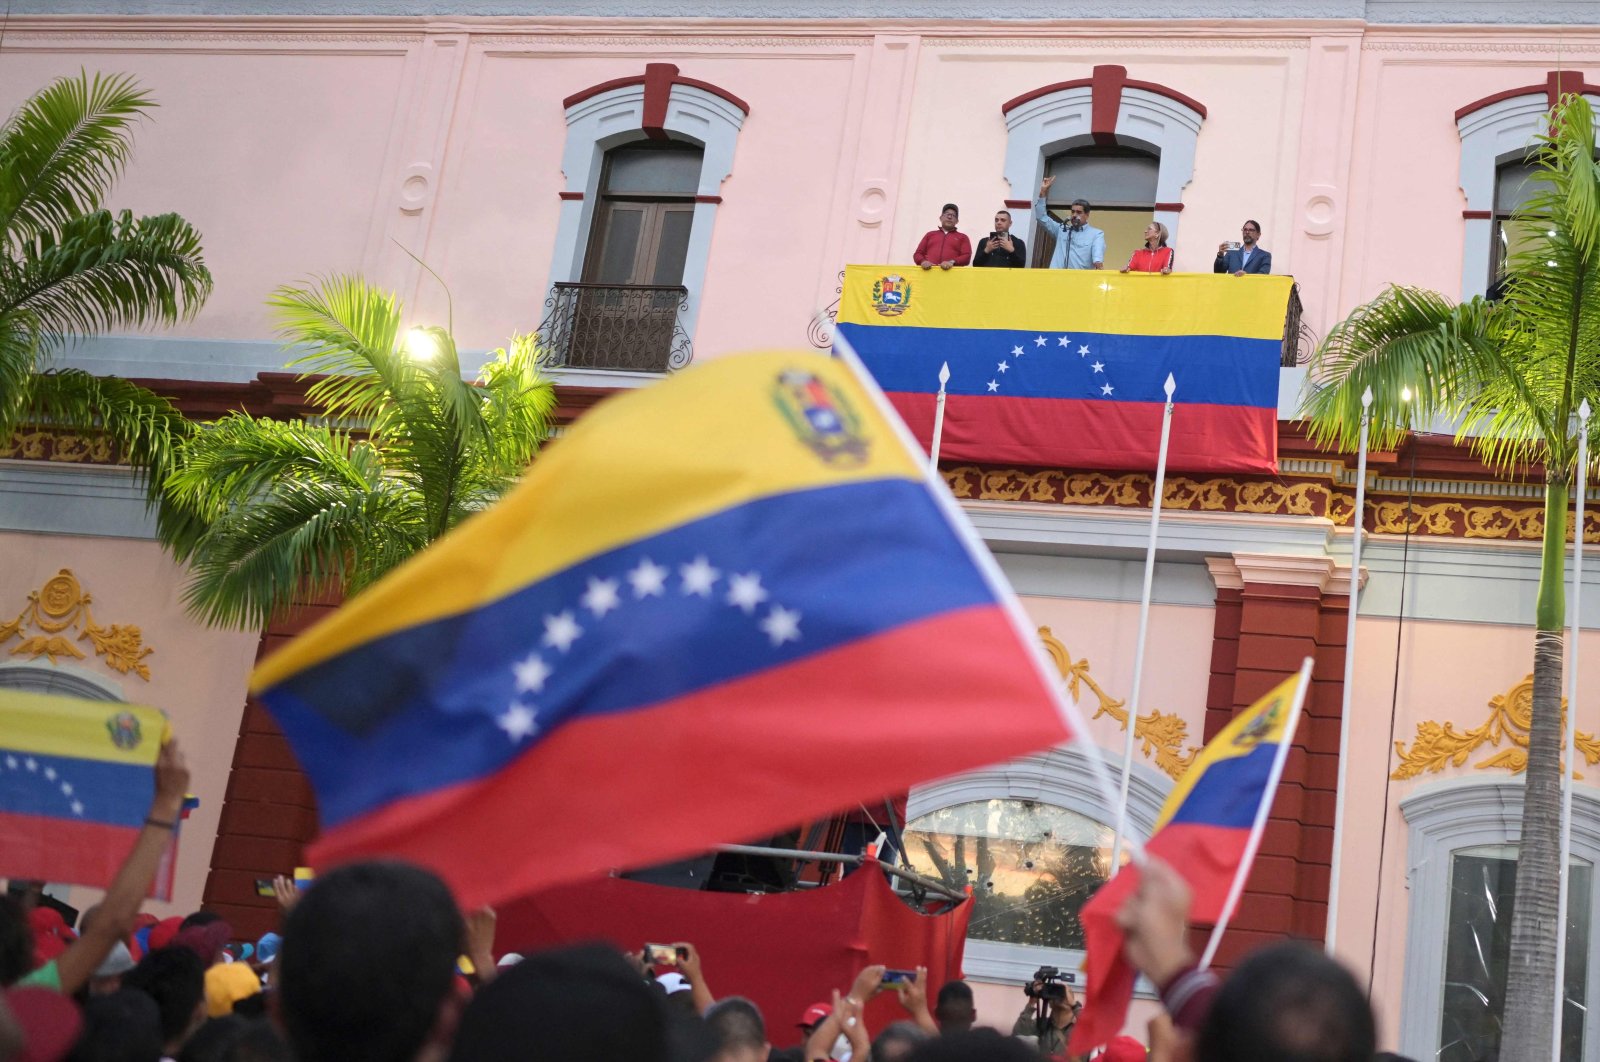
(1570, 737)
(1332, 930)
(1258, 827)
(938, 420)
(1156, 494)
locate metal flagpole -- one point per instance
(938, 419)
(1157, 492)
(1349, 672)
(1260, 824)
(1569, 737)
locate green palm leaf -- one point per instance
(146, 428)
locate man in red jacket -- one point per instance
(944, 246)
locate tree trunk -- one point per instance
(1527, 1025)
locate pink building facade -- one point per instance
(1375, 143)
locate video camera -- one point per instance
(1046, 986)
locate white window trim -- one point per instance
(606, 120)
(58, 680)
(1501, 132)
(1063, 778)
(1060, 121)
(1441, 820)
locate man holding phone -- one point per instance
(1001, 248)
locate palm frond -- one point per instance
(348, 330)
(19, 351)
(148, 430)
(62, 150)
(105, 272)
(518, 407)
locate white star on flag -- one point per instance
(31, 764)
(1065, 341)
(699, 577)
(648, 579)
(601, 597)
(1106, 389)
(66, 788)
(1098, 366)
(1002, 367)
(50, 773)
(518, 721)
(1016, 352)
(11, 761)
(782, 625)
(746, 592)
(531, 673)
(561, 631)
(1038, 341)
(1083, 351)
(994, 385)
(77, 807)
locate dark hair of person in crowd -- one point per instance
(577, 1004)
(897, 1041)
(368, 963)
(1288, 1003)
(16, 942)
(176, 979)
(738, 1032)
(974, 1045)
(232, 1038)
(954, 1010)
(121, 1026)
(199, 918)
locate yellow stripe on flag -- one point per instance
(658, 449)
(88, 730)
(1071, 300)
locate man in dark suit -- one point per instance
(1248, 257)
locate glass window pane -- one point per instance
(1514, 184)
(620, 244)
(653, 171)
(672, 247)
(1477, 950)
(1126, 178)
(1031, 866)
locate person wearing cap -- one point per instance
(226, 984)
(108, 975)
(72, 969)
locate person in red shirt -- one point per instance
(1155, 256)
(944, 246)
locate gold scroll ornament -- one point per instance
(1163, 735)
(1441, 745)
(60, 607)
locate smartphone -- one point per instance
(1234, 245)
(264, 887)
(664, 955)
(899, 977)
(995, 235)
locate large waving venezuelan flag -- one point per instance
(1066, 367)
(76, 779)
(1204, 832)
(716, 607)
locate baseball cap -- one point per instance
(226, 984)
(118, 961)
(813, 1014)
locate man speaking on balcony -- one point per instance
(1079, 245)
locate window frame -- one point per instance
(1062, 777)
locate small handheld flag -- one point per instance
(717, 606)
(1208, 831)
(76, 780)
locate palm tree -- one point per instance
(69, 267)
(1514, 372)
(266, 512)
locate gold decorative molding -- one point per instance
(43, 444)
(1441, 745)
(1163, 735)
(60, 606)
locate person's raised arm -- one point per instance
(1039, 211)
(479, 943)
(914, 997)
(132, 884)
(694, 972)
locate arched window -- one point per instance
(646, 210)
(1119, 183)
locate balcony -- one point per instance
(627, 327)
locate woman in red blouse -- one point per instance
(1155, 256)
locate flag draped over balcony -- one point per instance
(718, 606)
(1065, 367)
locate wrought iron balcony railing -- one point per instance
(615, 326)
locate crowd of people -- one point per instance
(375, 963)
(1078, 244)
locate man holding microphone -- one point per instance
(1079, 245)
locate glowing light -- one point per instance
(420, 344)
(1405, 394)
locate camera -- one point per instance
(1046, 985)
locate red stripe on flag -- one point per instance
(639, 787)
(66, 850)
(1096, 433)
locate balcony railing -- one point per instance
(1298, 342)
(615, 326)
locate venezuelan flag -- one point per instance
(1206, 832)
(76, 780)
(1066, 367)
(718, 606)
